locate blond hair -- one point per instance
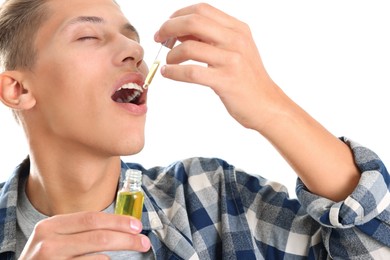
(19, 22)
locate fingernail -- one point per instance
(145, 242)
(135, 225)
(163, 69)
(156, 36)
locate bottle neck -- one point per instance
(132, 185)
(133, 180)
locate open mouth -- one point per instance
(128, 93)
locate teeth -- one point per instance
(137, 91)
(132, 97)
(129, 98)
(132, 86)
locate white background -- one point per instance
(332, 57)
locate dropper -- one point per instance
(168, 44)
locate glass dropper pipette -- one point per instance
(167, 45)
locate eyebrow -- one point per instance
(127, 27)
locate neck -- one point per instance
(72, 182)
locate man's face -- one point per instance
(86, 51)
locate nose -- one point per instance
(131, 54)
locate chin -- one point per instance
(132, 152)
(132, 148)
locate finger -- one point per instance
(99, 241)
(92, 257)
(209, 11)
(86, 221)
(91, 242)
(203, 28)
(191, 73)
(222, 65)
(191, 26)
(200, 52)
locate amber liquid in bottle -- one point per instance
(130, 203)
(130, 199)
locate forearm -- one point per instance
(323, 162)
(236, 74)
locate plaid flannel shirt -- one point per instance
(207, 209)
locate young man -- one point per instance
(69, 66)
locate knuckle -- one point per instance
(245, 28)
(201, 8)
(186, 49)
(191, 74)
(100, 238)
(239, 40)
(41, 227)
(242, 42)
(192, 21)
(45, 249)
(235, 59)
(90, 220)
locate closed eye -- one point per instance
(85, 38)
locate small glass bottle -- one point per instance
(130, 199)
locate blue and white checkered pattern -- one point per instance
(207, 209)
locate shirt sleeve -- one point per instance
(359, 225)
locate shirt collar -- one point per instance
(9, 196)
(8, 200)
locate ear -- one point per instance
(12, 92)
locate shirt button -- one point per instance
(155, 222)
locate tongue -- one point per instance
(122, 95)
